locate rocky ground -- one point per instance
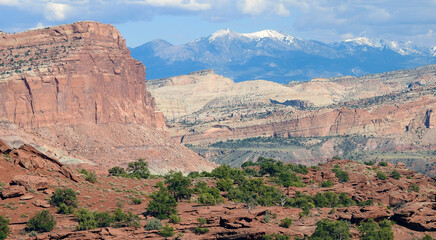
(29, 178)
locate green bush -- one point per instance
(329, 230)
(86, 219)
(327, 184)
(4, 228)
(286, 222)
(341, 174)
(381, 176)
(167, 231)
(67, 196)
(103, 219)
(200, 230)
(117, 172)
(136, 201)
(64, 209)
(175, 219)
(43, 221)
(123, 219)
(224, 184)
(414, 188)
(370, 230)
(289, 179)
(89, 176)
(427, 237)
(138, 169)
(369, 163)
(201, 221)
(368, 202)
(162, 204)
(395, 175)
(153, 224)
(179, 186)
(383, 164)
(255, 192)
(208, 195)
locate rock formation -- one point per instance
(72, 74)
(389, 112)
(74, 90)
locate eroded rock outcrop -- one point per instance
(71, 74)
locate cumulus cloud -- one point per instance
(398, 19)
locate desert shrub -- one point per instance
(368, 202)
(206, 199)
(224, 184)
(123, 219)
(381, 176)
(341, 174)
(414, 187)
(225, 171)
(331, 230)
(153, 224)
(248, 164)
(200, 230)
(395, 175)
(201, 221)
(86, 219)
(336, 158)
(89, 176)
(138, 169)
(383, 164)
(43, 221)
(427, 237)
(179, 186)
(4, 228)
(167, 231)
(289, 179)
(67, 196)
(270, 166)
(117, 172)
(255, 192)
(369, 163)
(64, 209)
(103, 219)
(327, 184)
(208, 195)
(136, 201)
(175, 219)
(370, 230)
(300, 168)
(162, 204)
(286, 222)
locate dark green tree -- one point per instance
(43, 221)
(138, 169)
(4, 228)
(179, 186)
(162, 204)
(331, 230)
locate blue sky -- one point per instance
(180, 21)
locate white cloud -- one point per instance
(191, 5)
(57, 11)
(253, 7)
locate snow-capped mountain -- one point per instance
(279, 57)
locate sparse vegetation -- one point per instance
(65, 199)
(331, 230)
(4, 228)
(162, 204)
(286, 222)
(153, 224)
(43, 221)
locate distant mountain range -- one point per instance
(278, 57)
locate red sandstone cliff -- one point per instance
(75, 91)
(71, 74)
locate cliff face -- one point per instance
(72, 74)
(75, 92)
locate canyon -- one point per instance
(75, 90)
(391, 112)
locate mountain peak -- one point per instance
(267, 33)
